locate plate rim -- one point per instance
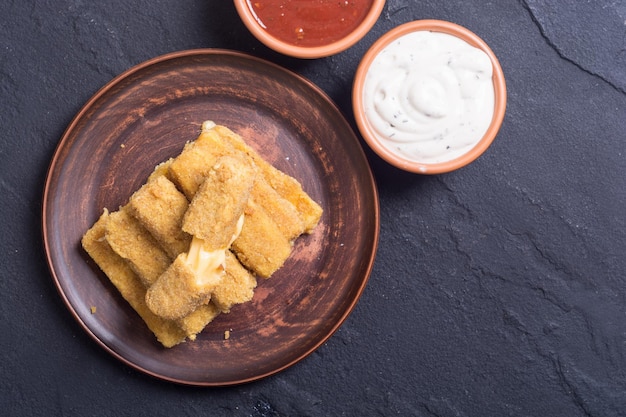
(54, 165)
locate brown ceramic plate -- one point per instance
(145, 116)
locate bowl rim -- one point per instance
(250, 21)
(406, 164)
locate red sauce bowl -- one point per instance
(306, 29)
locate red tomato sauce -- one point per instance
(310, 22)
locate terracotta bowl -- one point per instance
(395, 158)
(255, 24)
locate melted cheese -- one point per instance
(209, 264)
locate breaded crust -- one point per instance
(261, 247)
(179, 291)
(284, 214)
(130, 240)
(237, 287)
(286, 186)
(291, 190)
(160, 208)
(161, 169)
(189, 169)
(197, 320)
(220, 201)
(128, 283)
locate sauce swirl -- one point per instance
(309, 23)
(429, 96)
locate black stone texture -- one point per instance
(498, 290)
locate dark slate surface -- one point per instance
(498, 290)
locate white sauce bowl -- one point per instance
(429, 96)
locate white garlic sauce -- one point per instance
(429, 96)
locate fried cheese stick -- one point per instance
(122, 274)
(160, 208)
(190, 168)
(260, 245)
(131, 241)
(214, 219)
(286, 186)
(284, 214)
(237, 286)
(128, 283)
(279, 194)
(214, 212)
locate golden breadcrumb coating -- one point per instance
(291, 190)
(213, 219)
(160, 208)
(196, 321)
(189, 169)
(161, 169)
(128, 283)
(288, 187)
(180, 289)
(285, 215)
(237, 286)
(260, 245)
(130, 240)
(219, 203)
